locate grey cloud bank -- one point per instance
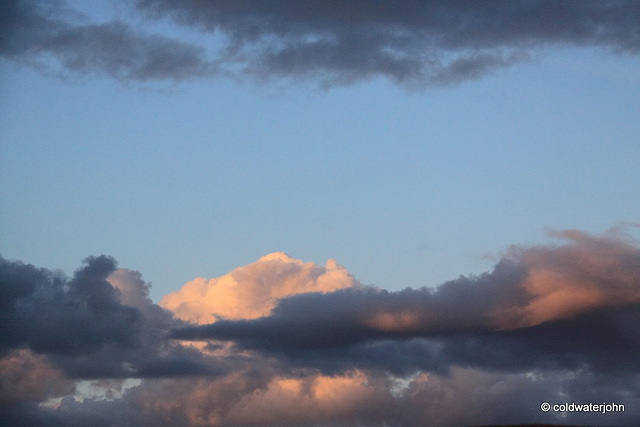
(412, 43)
(550, 323)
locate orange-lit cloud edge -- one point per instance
(532, 287)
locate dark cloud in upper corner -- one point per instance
(410, 42)
(34, 32)
(413, 43)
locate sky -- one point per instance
(318, 213)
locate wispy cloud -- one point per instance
(330, 43)
(549, 322)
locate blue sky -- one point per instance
(472, 167)
(404, 187)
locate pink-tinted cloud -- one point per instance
(253, 290)
(587, 288)
(587, 273)
(28, 377)
(293, 343)
(463, 397)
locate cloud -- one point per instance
(549, 306)
(134, 292)
(312, 346)
(413, 43)
(464, 397)
(82, 325)
(52, 38)
(252, 291)
(27, 377)
(49, 314)
(593, 272)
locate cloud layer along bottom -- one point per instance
(286, 342)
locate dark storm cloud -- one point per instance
(51, 315)
(547, 307)
(83, 328)
(414, 43)
(31, 32)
